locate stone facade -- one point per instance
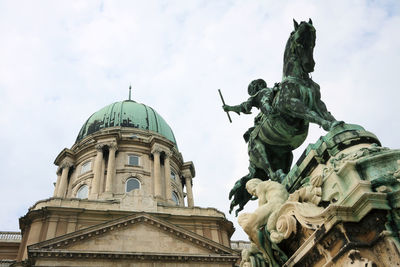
(107, 155)
(9, 245)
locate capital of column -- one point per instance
(66, 164)
(99, 147)
(156, 150)
(112, 146)
(187, 174)
(59, 170)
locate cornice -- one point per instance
(57, 204)
(166, 213)
(111, 255)
(188, 167)
(64, 154)
(159, 139)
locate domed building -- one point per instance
(123, 197)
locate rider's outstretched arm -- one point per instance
(245, 107)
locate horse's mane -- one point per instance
(287, 53)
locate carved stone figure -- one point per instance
(275, 218)
(271, 196)
(251, 257)
(286, 111)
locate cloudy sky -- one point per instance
(60, 61)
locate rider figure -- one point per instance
(261, 97)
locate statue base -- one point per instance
(343, 208)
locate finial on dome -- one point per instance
(130, 88)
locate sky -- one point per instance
(60, 61)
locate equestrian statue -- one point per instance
(286, 110)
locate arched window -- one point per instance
(173, 175)
(87, 166)
(82, 192)
(132, 183)
(175, 198)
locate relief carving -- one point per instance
(339, 161)
(277, 215)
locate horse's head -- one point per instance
(300, 46)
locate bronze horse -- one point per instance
(296, 103)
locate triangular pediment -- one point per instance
(138, 234)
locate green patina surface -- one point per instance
(286, 110)
(126, 113)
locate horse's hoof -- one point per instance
(278, 176)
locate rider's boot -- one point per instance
(252, 171)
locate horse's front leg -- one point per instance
(296, 108)
(259, 158)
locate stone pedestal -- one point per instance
(343, 207)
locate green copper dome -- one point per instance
(126, 113)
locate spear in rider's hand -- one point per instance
(223, 102)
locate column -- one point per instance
(97, 173)
(189, 192)
(157, 173)
(62, 189)
(167, 175)
(111, 167)
(58, 182)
